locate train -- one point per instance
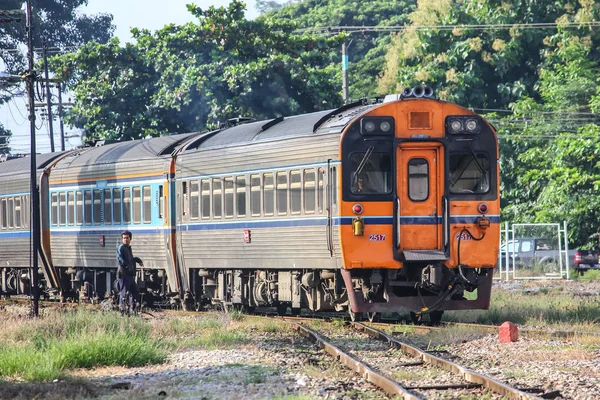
(389, 205)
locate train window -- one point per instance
(137, 204)
(186, 200)
(116, 192)
(161, 201)
(255, 195)
(54, 202)
(295, 192)
(240, 198)
(147, 200)
(126, 206)
(87, 199)
(217, 185)
(97, 196)
(205, 185)
(371, 173)
(320, 180)
(17, 212)
(309, 191)
(268, 194)
(418, 179)
(228, 197)
(25, 211)
(282, 193)
(71, 208)
(79, 207)
(194, 200)
(62, 205)
(469, 173)
(107, 207)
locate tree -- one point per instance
(196, 76)
(58, 23)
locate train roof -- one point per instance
(22, 164)
(125, 151)
(329, 121)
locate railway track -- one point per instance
(399, 369)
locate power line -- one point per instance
(401, 28)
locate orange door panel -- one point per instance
(419, 195)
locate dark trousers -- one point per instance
(127, 283)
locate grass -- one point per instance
(43, 349)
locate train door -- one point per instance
(419, 201)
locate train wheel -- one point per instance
(373, 316)
(436, 317)
(355, 316)
(415, 318)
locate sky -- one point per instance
(147, 14)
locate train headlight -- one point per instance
(463, 125)
(357, 208)
(372, 126)
(385, 126)
(369, 127)
(482, 208)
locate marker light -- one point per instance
(358, 209)
(482, 208)
(385, 126)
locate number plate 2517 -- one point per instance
(377, 238)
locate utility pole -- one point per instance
(60, 118)
(35, 206)
(48, 98)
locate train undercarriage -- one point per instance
(417, 288)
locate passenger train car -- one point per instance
(379, 206)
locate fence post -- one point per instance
(567, 252)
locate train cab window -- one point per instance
(240, 198)
(17, 212)
(54, 210)
(268, 194)
(469, 173)
(79, 207)
(137, 204)
(62, 206)
(217, 186)
(295, 192)
(418, 179)
(126, 206)
(205, 186)
(282, 193)
(71, 208)
(194, 200)
(107, 207)
(96, 194)
(309, 191)
(116, 205)
(371, 173)
(228, 204)
(320, 189)
(87, 199)
(255, 195)
(147, 201)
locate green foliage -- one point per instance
(42, 350)
(196, 76)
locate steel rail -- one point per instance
(388, 385)
(467, 374)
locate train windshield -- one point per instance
(469, 173)
(371, 172)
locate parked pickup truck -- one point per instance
(529, 252)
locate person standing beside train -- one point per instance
(127, 271)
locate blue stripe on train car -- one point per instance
(13, 234)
